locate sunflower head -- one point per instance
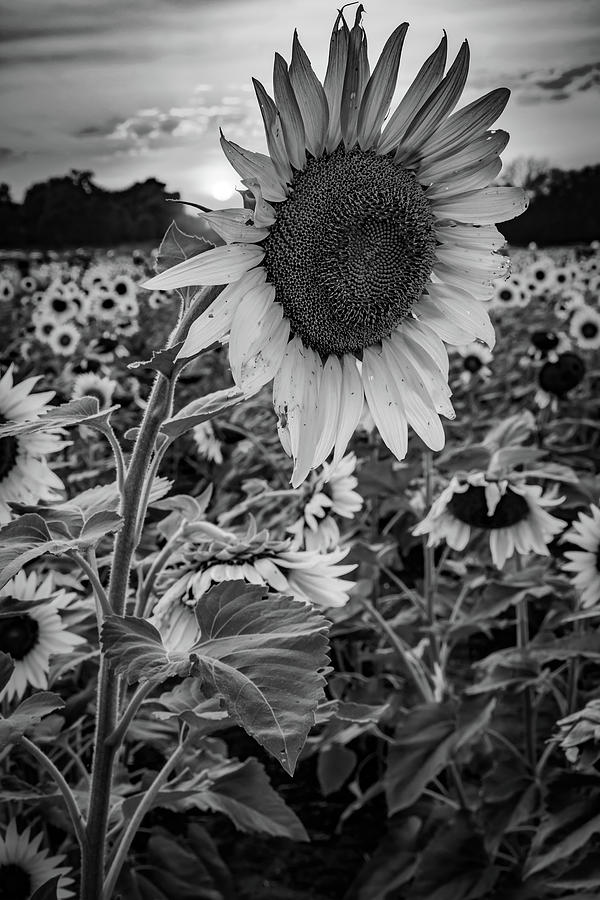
(367, 246)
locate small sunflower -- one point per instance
(207, 443)
(24, 867)
(330, 493)
(32, 630)
(584, 328)
(363, 246)
(584, 564)
(510, 292)
(58, 306)
(123, 288)
(558, 376)
(7, 291)
(568, 301)
(306, 575)
(64, 339)
(476, 358)
(104, 305)
(542, 273)
(513, 514)
(25, 476)
(28, 284)
(88, 384)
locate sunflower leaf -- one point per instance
(265, 655)
(27, 715)
(75, 412)
(201, 410)
(136, 649)
(7, 667)
(176, 246)
(161, 361)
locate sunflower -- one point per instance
(584, 327)
(584, 564)
(514, 514)
(542, 273)
(28, 284)
(24, 867)
(510, 292)
(558, 376)
(568, 301)
(363, 245)
(124, 288)
(25, 477)
(476, 358)
(32, 630)
(64, 339)
(88, 384)
(330, 493)
(104, 306)
(7, 291)
(306, 575)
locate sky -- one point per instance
(132, 89)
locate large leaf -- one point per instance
(75, 412)
(562, 834)
(136, 650)
(426, 739)
(7, 667)
(27, 715)
(265, 654)
(55, 530)
(177, 246)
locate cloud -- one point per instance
(152, 128)
(543, 85)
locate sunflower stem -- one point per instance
(119, 459)
(136, 819)
(89, 566)
(67, 794)
(158, 409)
(157, 566)
(528, 711)
(429, 563)
(115, 739)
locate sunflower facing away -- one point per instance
(514, 515)
(364, 246)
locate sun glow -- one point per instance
(221, 189)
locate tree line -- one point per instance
(73, 211)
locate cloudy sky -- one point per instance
(139, 88)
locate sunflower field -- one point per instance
(269, 628)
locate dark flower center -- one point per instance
(506, 294)
(351, 250)
(544, 340)
(563, 375)
(15, 882)
(9, 451)
(18, 635)
(65, 340)
(59, 305)
(589, 330)
(472, 363)
(108, 303)
(540, 274)
(471, 508)
(121, 288)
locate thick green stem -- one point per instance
(528, 711)
(136, 819)
(157, 410)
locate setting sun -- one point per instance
(222, 189)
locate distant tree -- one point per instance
(527, 172)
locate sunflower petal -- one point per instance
(428, 77)
(329, 408)
(274, 132)
(291, 118)
(481, 152)
(355, 79)
(311, 98)
(472, 179)
(438, 105)
(385, 402)
(255, 167)
(468, 123)
(380, 89)
(485, 207)
(461, 308)
(220, 265)
(334, 79)
(418, 405)
(351, 404)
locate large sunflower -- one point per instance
(25, 476)
(364, 245)
(24, 867)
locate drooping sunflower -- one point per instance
(25, 476)
(364, 245)
(513, 513)
(584, 564)
(24, 867)
(88, 384)
(32, 631)
(330, 494)
(307, 575)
